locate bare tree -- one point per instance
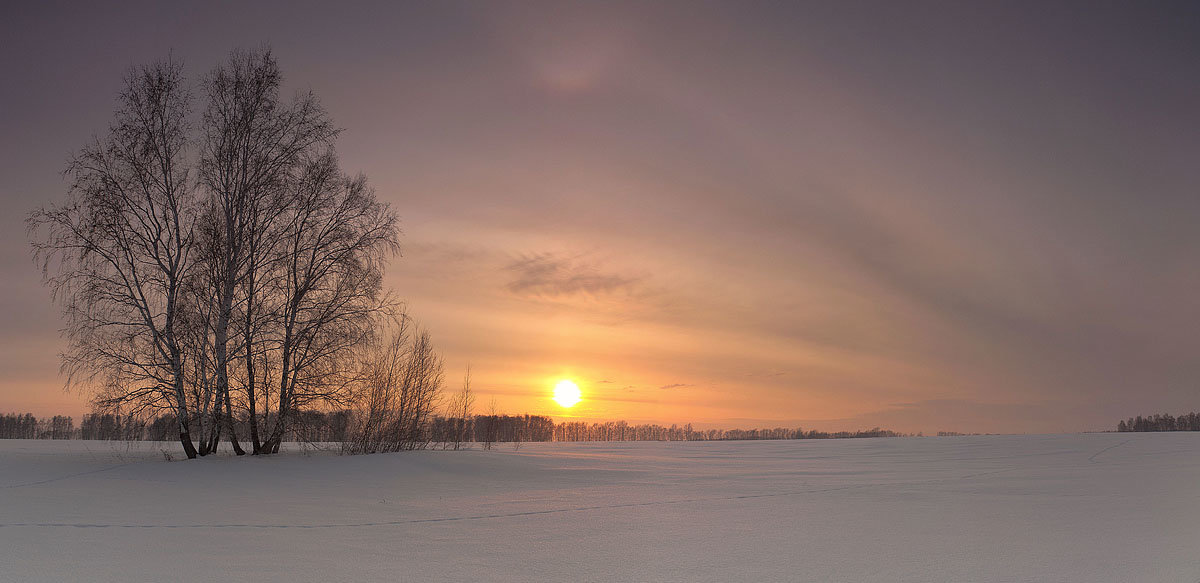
(381, 378)
(253, 145)
(491, 428)
(399, 389)
(520, 432)
(329, 288)
(421, 388)
(116, 255)
(459, 411)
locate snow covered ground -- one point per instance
(1087, 508)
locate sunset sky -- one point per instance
(926, 216)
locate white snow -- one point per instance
(1087, 508)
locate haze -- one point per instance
(923, 216)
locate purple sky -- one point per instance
(963, 216)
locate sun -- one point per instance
(566, 393)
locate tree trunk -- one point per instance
(222, 356)
(202, 419)
(233, 441)
(214, 432)
(250, 401)
(185, 436)
(181, 409)
(186, 439)
(272, 444)
(255, 444)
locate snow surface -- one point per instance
(1088, 508)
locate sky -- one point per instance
(960, 216)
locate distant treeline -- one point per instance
(1161, 422)
(26, 426)
(93, 426)
(337, 427)
(622, 431)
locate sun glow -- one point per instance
(566, 393)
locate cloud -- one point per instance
(675, 386)
(770, 373)
(549, 275)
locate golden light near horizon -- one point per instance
(567, 394)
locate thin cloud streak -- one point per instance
(545, 274)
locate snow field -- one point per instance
(1086, 508)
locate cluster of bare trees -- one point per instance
(26, 426)
(492, 428)
(401, 386)
(222, 266)
(1161, 422)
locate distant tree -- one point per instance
(459, 410)
(520, 431)
(490, 424)
(1161, 422)
(20, 426)
(62, 427)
